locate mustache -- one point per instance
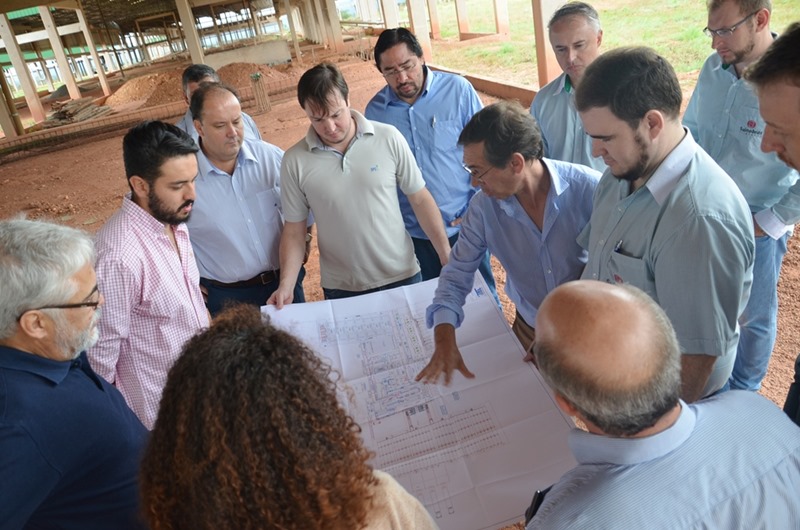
(184, 205)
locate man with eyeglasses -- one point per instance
(347, 170)
(723, 116)
(528, 214)
(429, 108)
(576, 36)
(69, 444)
(776, 78)
(146, 268)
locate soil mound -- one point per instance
(151, 89)
(237, 75)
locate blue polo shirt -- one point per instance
(69, 447)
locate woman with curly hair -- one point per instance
(250, 435)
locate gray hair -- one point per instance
(576, 9)
(37, 261)
(621, 411)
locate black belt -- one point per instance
(261, 279)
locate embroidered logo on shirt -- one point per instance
(374, 168)
(618, 279)
(751, 128)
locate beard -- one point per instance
(70, 342)
(740, 55)
(638, 169)
(163, 214)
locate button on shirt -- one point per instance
(431, 126)
(562, 128)
(536, 261)
(153, 305)
(723, 115)
(250, 128)
(686, 239)
(731, 461)
(236, 222)
(69, 447)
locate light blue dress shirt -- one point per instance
(723, 116)
(235, 226)
(536, 261)
(731, 461)
(686, 239)
(251, 131)
(561, 126)
(431, 127)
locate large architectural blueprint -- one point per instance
(473, 452)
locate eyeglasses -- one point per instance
(726, 32)
(389, 74)
(76, 305)
(473, 175)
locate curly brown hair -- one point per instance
(250, 435)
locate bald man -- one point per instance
(612, 359)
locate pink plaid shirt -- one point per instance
(153, 305)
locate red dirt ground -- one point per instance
(82, 186)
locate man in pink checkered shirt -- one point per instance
(146, 269)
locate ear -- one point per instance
(140, 187)
(654, 121)
(198, 126)
(762, 19)
(599, 38)
(33, 325)
(517, 162)
(565, 406)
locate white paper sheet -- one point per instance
(473, 452)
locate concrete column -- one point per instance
(419, 26)
(335, 26)
(18, 62)
(190, 31)
(309, 25)
(58, 51)
(433, 15)
(87, 35)
(325, 31)
(546, 63)
(290, 17)
(6, 121)
(501, 16)
(391, 15)
(462, 18)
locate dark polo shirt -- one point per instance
(69, 447)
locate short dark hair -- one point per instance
(781, 61)
(504, 128)
(201, 94)
(576, 9)
(197, 72)
(317, 84)
(392, 37)
(631, 82)
(148, 145)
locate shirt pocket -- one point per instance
(445, 134)
(748, 125)
(630, 270)
(268, 204)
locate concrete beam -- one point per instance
(419, 26)
(58, 51)
(87, 36)
(190, 35)
(24, 74)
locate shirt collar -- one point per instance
(564, 84)
(144, 218)
(205, 167)
(363, 126)
(669, 172)
(591, 448)
(557, 187)
(53, 371)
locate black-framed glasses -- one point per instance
(473, 175)
(400, 69)
(76, 305)
(727, 32)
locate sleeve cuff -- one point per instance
(770, 224)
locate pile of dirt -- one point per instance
(238, 74)
(152, 89)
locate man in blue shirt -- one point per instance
(430, 109)
(776, 77)
(528, 213)
(576, 36)
(647, 459)
(69, 445)
(665, 217)
(723, 116)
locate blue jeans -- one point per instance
(431, 267)
(759, 321)
(334, 294)
(257, 295)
